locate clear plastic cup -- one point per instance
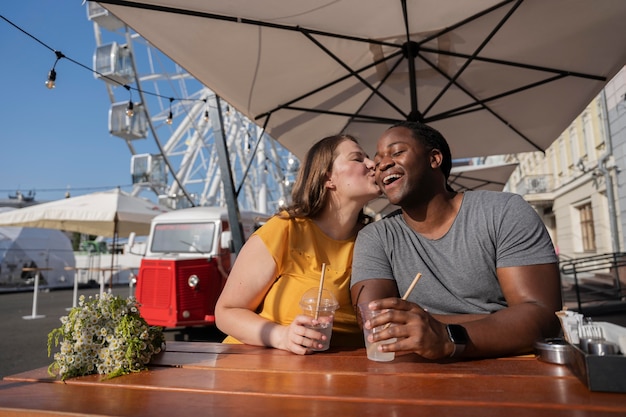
(325, 313)
(372, 348)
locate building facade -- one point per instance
(576, 186)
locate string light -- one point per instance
(170, 117)
(130, 111)
(52, 75)
(206, 111)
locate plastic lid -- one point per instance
(327, 303)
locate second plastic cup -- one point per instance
(325, 314)
(372, 348)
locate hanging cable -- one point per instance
(52, 75)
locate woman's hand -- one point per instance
(298, 338)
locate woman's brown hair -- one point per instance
(309, 193)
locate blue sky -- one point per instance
(54, 140)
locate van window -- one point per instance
(183, 238)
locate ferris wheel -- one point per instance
(162, 114)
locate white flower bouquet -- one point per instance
(104, 335)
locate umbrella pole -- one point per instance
(411, 49)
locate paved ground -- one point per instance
(24, 344)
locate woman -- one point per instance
(283, 259)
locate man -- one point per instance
(490, 280)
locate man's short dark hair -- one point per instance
(431, 139)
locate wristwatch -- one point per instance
(458, 336)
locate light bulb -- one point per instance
(129, 109)
(169, 119)
(52, 77)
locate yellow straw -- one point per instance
(319, 294)
(408, 291)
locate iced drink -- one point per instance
(325, 313)
(372, 348)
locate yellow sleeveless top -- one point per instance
(299, 248)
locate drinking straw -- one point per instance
(408, 291)
(319, 294)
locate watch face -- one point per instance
(458, 334)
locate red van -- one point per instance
(187, 261)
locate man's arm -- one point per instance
(533, 295)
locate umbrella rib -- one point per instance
(354, 74)
(481, 183)
(497, 116)
(494, 114)
(465, 21)
(515, 64)
(306, 32)
(356, 117)
(356, 114)
(469, 59)
(251, 161)
(287, 105)
(481, 102)
(482, 180)
(476, 52)
(236, 19)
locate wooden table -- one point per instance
(202, 379)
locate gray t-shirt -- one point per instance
(492, 230)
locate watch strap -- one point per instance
(457, 335)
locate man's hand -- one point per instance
(414, 328)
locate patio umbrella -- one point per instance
(480, 177)
(494, 76)
(111, 213)
(108, 213)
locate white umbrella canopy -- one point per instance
(493, 76)
(102, 214)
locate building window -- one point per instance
(587, 231)
(562, 157)
(588, 140)
(573, 144)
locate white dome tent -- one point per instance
(23, 250)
